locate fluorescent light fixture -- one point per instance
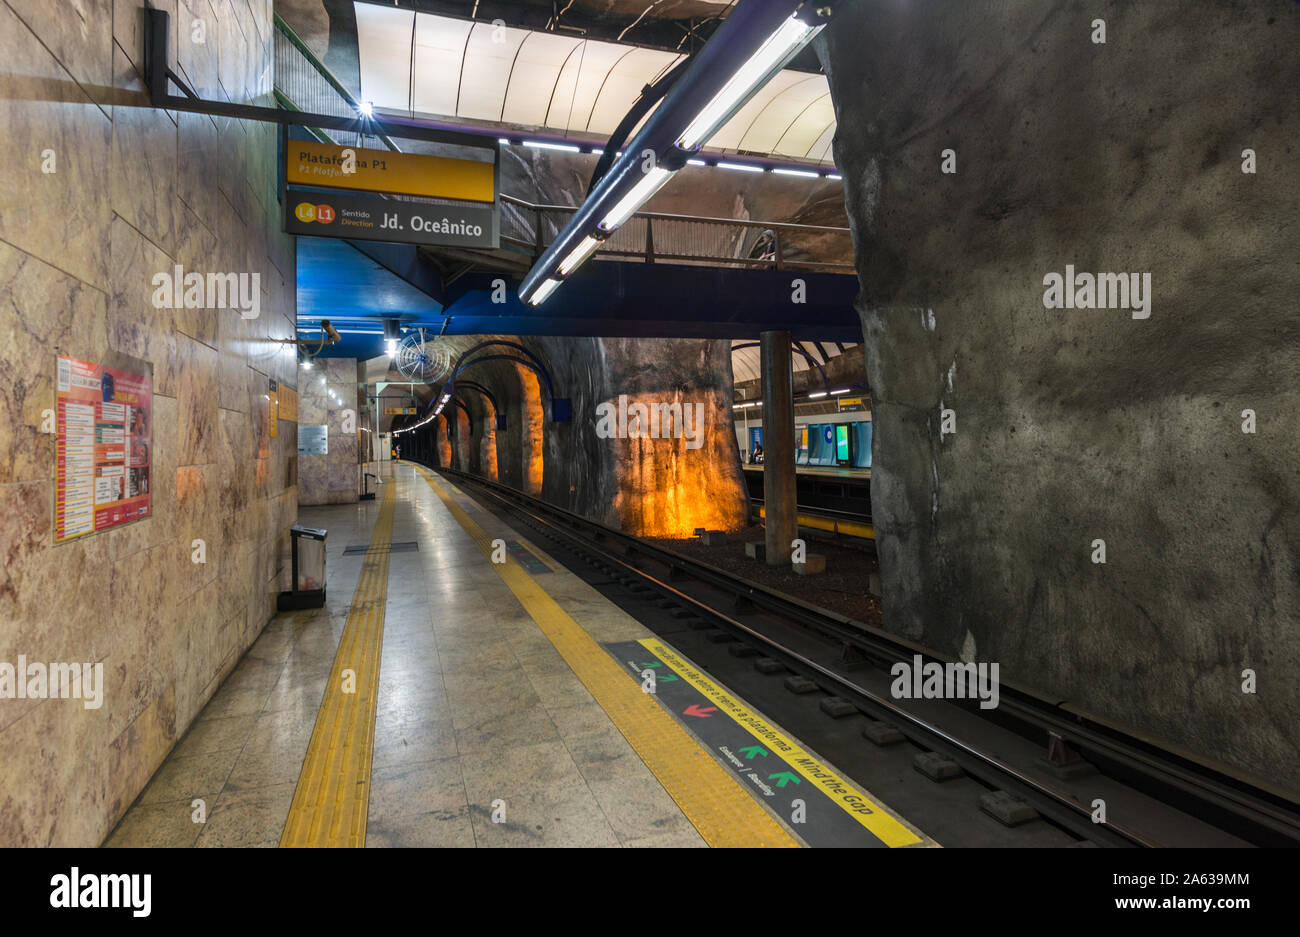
(586, 247)
(833, 176)
(358, 332)
(503, 140)
(820, 393)
(553, 146)
(638, 196)
(696, 162)
(740, 166)
(788, 37)
(540, 294)
(842, 390)
(390, 346)
(796, 172)
(366, 108)
(597, 151)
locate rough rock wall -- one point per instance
(1076, 425)
(648, 486)
(133, 192)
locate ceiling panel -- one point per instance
(458, 68)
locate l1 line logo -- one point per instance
(307, 213)
(375, 218)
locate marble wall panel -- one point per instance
(61, 217)
(142, 177)
(136, 192)
(330, 478)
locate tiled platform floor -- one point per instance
(475, 706)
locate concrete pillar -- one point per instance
(778, 447)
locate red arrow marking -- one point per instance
(694, 710)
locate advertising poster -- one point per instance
(105, 426)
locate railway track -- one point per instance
(1154, 797)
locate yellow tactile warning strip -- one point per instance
(332, 799)
(721, 810)
(882, 824)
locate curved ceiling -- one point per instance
(425, 64)
(746, 362)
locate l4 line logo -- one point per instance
(307, 212)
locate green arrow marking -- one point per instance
(666, 678)
(656, 663)
(784, 778)
(754, 751)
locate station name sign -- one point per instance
(358, 168)
(375, 218)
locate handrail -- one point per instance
(665, 216)
(287, 31)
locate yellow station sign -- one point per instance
(311, 163)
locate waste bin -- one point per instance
(308, 550)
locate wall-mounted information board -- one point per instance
(104, 425)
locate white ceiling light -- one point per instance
(586, 247)
(796, 172)
(567, 148)
(741, 167)
(788, 37)
(638, 196)
(543, 291)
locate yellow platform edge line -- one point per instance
(332, 799)
(847, 528)
(723, 812)
(879, 820)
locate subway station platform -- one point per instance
(442, 699)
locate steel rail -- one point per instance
(1249, 807)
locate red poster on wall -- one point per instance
(105, 424)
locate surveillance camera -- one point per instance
(329, 330)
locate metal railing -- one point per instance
(302, 82)
(691, 240)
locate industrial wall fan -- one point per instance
(422, 356)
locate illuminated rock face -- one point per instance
(487, 453)
(665, 486)
(444, 443)
(672, 464)
(1075, 426)
(531, 450)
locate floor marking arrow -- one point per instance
(703, 712)
(754, 751)
(784, 777)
